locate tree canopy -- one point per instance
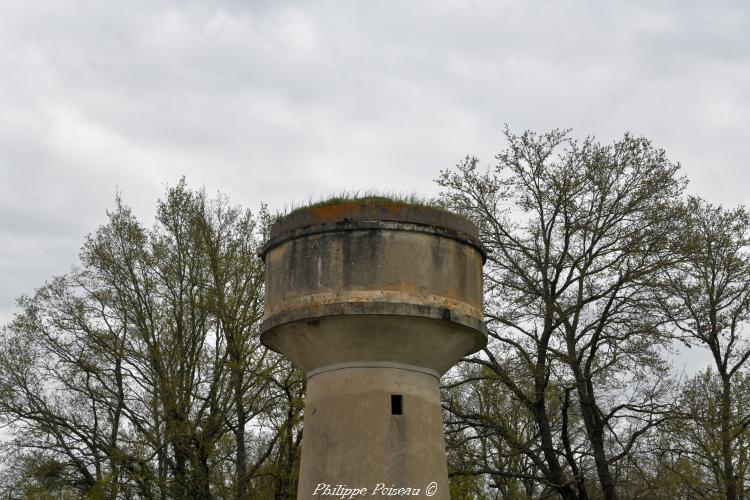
(139, 373)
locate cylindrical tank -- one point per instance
(374, 302)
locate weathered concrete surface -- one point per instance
(356, 212)
(351, 438)
(342, 265)
(433, 344)
(372, 301)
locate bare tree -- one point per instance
(577, 232)
(489, 437)
(707, 297)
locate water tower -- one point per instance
(373, 302)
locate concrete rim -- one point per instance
(383, 211)
(372, 364)
(369, 225)
(340, 309)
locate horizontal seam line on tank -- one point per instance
(396, 366)
(316, 300)
(314, 312)
(382, 225)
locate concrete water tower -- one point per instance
(374, 302)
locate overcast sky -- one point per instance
(280, 102)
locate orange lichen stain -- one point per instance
(329, 213)
(276, 255)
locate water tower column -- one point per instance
(374, 302)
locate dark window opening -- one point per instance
(397, 404)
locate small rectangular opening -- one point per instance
(397, 404)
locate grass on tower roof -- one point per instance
(350, 198)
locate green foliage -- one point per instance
(466, 487)
(706, 296)
(140, 372)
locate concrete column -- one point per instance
(374, 303)
(352, 437)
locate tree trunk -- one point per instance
(595, 432)
(201, 483)
(730, 483)
(580, 480)
(239, 431)
(557, 477)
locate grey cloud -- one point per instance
(280, 102)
